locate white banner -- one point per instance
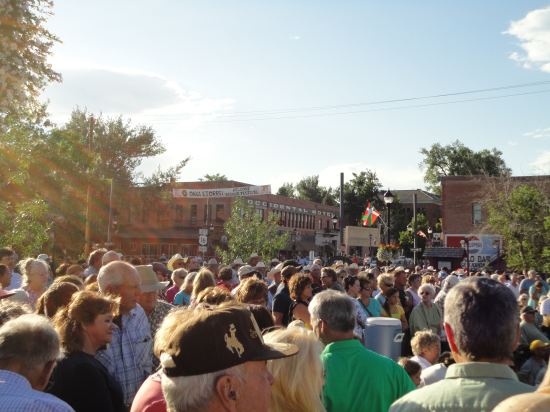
(224, 192)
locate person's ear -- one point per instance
(227, 392)
(450, 338)
(43, 376)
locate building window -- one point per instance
(193, 214)
(179, 213)
(476, 213)
(207, 214)
(219, 213)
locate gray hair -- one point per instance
(29, 341)
(428, 287)
(193, 393)
(481, 311)
(336, 309)
(11, 309)
(423, 340)
(112, 274)
(28, 265)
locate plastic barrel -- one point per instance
(384, 336)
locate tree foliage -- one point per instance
(406, 237)
(456, 159)
(287, 189)
(217, 177)
(361, 189)
(521, 217)
(309, 189)
(24, 50)
(247, 233)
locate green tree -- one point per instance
(217, 177)
(24, 50)
(521, 217)
(247, 233)
(456, 159)
(361, 189)
(24, 226)
(309, 189)
(406, 239)
(287, 189)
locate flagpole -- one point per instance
(414, 229)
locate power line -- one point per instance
(382, 109)
(349, 105)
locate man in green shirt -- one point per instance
(481, 322)
(356, 379)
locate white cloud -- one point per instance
(533, 32)
(538, 133)
(147, 97)
(541, 165)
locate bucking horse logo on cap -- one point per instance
(232, 342)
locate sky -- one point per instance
(267, 92)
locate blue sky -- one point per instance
(194, 70)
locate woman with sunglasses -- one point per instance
(426, 315)
(368, 304)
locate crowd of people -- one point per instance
(183, 334)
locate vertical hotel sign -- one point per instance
(222, 192)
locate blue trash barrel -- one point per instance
(384, 336)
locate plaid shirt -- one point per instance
(128, 357)
(17, 395)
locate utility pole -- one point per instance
(87, 229)
(414, 228)
(110, 214)
(341, 210)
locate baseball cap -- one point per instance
(149, 280)
(538, 344)
(528, 309)
(218, 338)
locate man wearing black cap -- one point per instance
(217, 362)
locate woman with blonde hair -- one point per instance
(149, 397)
(84, 327)
(203, 279)
(290, 390)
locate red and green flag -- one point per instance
(370, 215)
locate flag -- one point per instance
(370, 215)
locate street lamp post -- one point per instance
(466, 243)
(388, 200)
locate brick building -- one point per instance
(150, 226)
(426, 203)
(464, 212)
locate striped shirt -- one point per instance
(17, 395)
(128, 357)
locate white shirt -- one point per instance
(421, 361)
(433, 374)
(514, 289)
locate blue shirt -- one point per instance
(182, 298)
(17, 395)
(129, 356)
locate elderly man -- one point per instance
(94, 262)
(110, 256)
(128, 357)
(216, 362)
(356, 379)
(29, 347)
(213, 266)
(528, 329)
(479, 312)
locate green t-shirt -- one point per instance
(357, 379)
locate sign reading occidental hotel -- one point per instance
(223, 192)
